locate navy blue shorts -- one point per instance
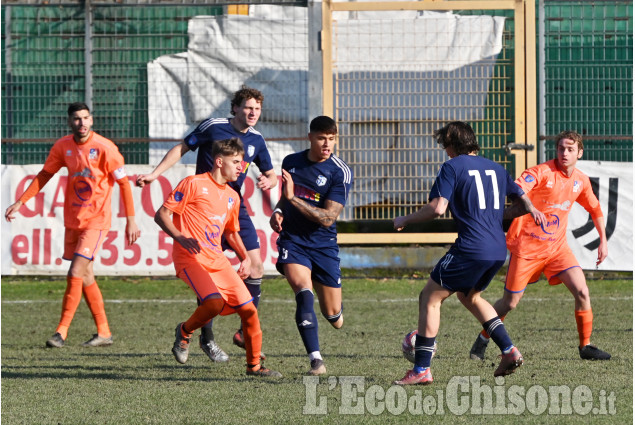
(324, 263)
(459, 274)
(247, 231)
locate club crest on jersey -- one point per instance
(230, 203)
(292, 171)
(178, 196)
(205, 191)
(550, 184)
(529, 178)
(576, 186)
(69, 153)
(250, 150)
(92, 154)
(321, 180)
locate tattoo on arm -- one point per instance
(520, 206)
(324, 216)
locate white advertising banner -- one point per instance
(33, 243)
(613, 184)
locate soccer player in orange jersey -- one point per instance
(94, 164)
(198, 213)
(553, 187)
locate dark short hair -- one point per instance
(245, 93)
(323, 124)
(77, 106)
(458, 135)
(570, 134)
(227, 147)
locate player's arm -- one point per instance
(164, 220)
(324, 216)
(603, 249)
(172, 157)
(522, 205)
(132, 231)
(36, 185)
(435, 208)
(267, 180)
(234, 240)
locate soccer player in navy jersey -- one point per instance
(474, 188)
(246, 107)
(316, 184)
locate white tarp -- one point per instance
(268, 50)
(614, 182)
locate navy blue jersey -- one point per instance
(213, 129)
(314, 182)
(476, 188)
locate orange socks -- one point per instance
(485, 334)
(584, 320)
(95, 302)
(210, 308)
(252, 333)
(70, 302)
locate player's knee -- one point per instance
(336, 320)
(257, 270)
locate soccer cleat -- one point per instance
(213, 351)
(239, 341)
(509, 363)
(56, 341)
(412, 378)
(317, 367)
(98, 341)
(264, 372)
(591, 352)
(477, 352)
(181, 347)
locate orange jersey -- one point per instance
(203, 209)
(93, 167)
(553, 193)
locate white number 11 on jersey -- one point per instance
(479, 187)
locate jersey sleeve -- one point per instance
(528, 179)
(589, 201)
(443, 186)
(200, 136)
(115, 163)
(340, 185)
(178, 199)
(513, 189)
(263, 158)
(55, 159)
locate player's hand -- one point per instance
(190, 244)
(399, 223)
(12, 210)
(539, 217)
(276, 222)
(244, 269)
(143, 179)
(263, 182)
(132, 232)
(287, 185)
(603, 252)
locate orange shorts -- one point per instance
(523, 271)
(225, 282)
(85, 243)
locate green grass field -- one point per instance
(137, 380)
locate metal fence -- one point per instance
(54, 53)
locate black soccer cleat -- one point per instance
(591, 352)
